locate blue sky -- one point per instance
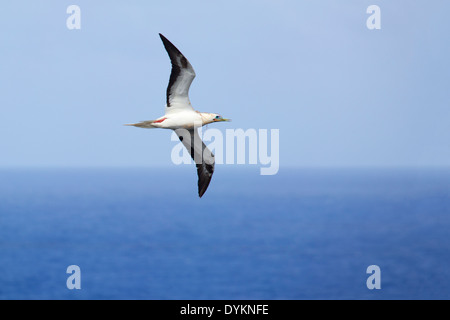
(340, 94)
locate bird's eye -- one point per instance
(217, 117)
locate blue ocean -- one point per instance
(305, 233)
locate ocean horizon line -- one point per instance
(234, 166)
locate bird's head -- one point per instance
(212, 117)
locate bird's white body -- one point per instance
(185, 119)
(180, 118)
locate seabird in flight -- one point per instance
(182, 118)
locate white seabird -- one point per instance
(182, 118)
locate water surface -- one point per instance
(302, 234)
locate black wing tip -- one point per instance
(169, 45)
(202, 189)
(204, 180)
(165, 40)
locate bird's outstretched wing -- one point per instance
(203, 157)
(181, 77)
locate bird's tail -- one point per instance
(144, 124)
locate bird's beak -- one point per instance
(221, 119)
